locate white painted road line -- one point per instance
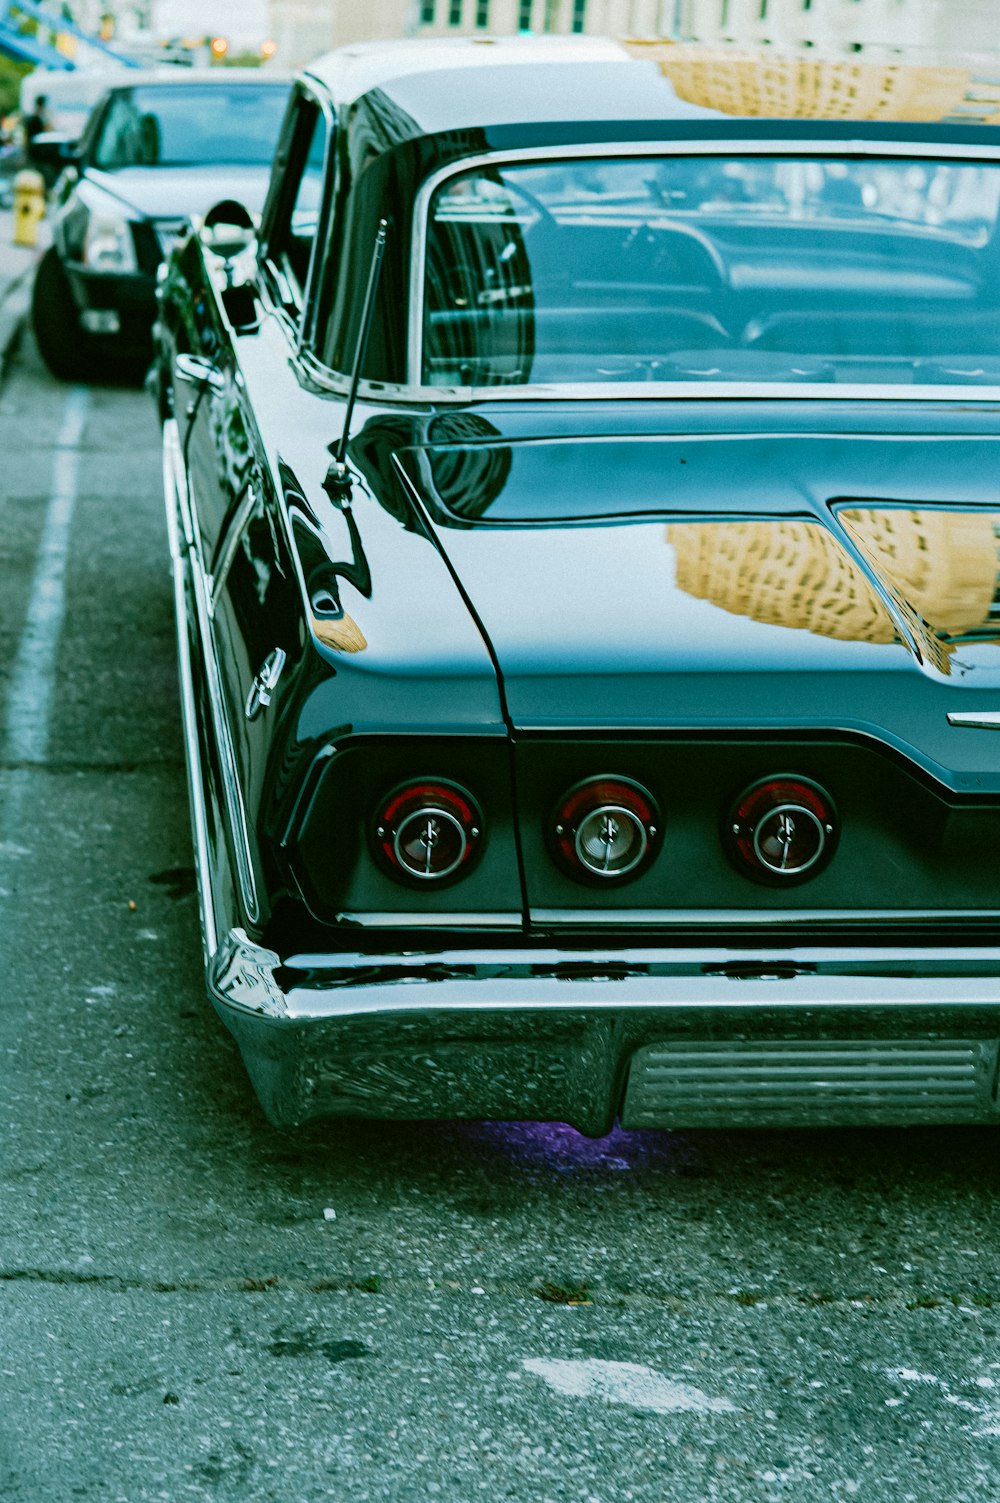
(33, 674)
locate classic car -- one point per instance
(584, 502)
(155, 149)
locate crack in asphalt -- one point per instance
(967, 1301)
(238, 1284)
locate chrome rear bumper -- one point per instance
(658, 1038)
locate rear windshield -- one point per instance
(715, 269)
(187, 125)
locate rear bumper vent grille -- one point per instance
(791, 1083)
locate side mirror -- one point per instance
(228, 229)
(52, 153)
(50, 148)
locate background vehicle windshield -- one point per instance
(750, 269)
(187, 125)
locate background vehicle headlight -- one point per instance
(428, 831)
(108, 243)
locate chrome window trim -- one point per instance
(322, 243)
(589, 391)
(302, 326)
(279, 312)
(384, 393)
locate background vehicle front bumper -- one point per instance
(129, 295)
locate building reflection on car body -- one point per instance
(940, 567)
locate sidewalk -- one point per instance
(17, 264)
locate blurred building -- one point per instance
(844, 25)
(304, 28)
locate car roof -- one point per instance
(128, 78)
(429, 86)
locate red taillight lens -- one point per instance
(428, 831)
(781, 830)
(605, 830)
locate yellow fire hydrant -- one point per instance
(29, 206)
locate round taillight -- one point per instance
(605, 830)
(781, 830)
(428, 831)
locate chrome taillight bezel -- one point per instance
(576, 818)
(752, 829)
(437, 801)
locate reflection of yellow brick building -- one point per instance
(795, 87)
(942, 563)
(941, 567)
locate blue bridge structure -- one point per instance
(27, 30)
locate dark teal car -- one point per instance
(585, 514)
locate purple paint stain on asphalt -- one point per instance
(561, 1147)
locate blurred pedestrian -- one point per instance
(34, 123)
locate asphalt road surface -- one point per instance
(195, 1306)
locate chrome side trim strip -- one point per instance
(188, 569)
(231, 791)
(192, 757)
(982, 720)
(175, 481)
(758, 918)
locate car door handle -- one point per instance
(199, 372)
(264, 683)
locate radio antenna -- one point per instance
(338, 476)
